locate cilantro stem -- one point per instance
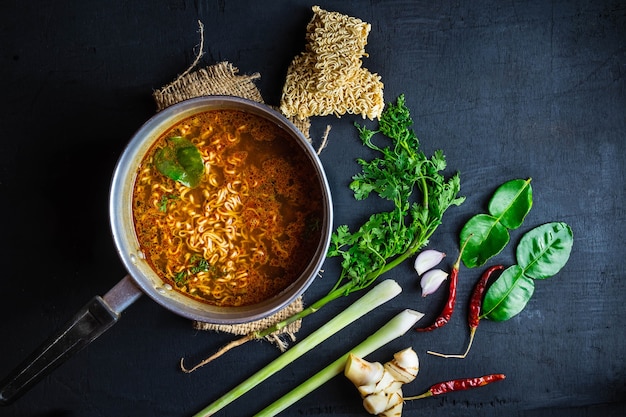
(415, 245)
(332, 295)
(424, 189)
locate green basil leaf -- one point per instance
(487, 237)
(544, 250)
(181, 161)
(511, 202)
(508, 295)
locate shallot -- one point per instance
(432, 280)
(427, 259)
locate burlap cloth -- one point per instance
(218, 79)
(223, 79)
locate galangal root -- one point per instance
(380, 386)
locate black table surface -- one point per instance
(506, 89)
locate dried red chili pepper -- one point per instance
(458, 385)
(475, 306)
(476, 301)
(448, 309)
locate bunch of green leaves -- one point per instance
(180, 161)
(487, 234)
(541, 253)
(420, 193)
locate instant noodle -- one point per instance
(248, 229)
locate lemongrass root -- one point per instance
(223, 350)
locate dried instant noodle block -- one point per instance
(350, 33)
(328, 77)
(363, 95)
(336, 44)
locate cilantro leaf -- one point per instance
(401, 172)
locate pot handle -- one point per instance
(91, 321)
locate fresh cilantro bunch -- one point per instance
(419, 192)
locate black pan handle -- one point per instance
(90, 322)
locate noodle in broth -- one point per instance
(248, 229)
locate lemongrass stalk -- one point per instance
(378, 295)
(395, 328)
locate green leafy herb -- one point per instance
(488, 233)
(201, 266)
(165, 199)
(181, 161)
(541, 254)
(180, 278)
(388, 238)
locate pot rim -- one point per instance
(122, 225)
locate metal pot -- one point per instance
(102, 312)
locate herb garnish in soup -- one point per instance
(237, 230)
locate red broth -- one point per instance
(250, 227)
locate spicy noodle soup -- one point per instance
(251, 225)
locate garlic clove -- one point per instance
(432, 280)
(427, 259)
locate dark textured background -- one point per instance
(507, 90)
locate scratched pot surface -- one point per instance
(505, 90)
